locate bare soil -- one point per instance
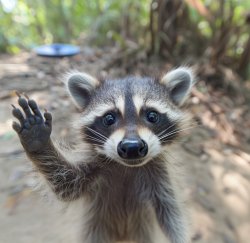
(216, 153)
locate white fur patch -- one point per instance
(181, 76)
(75, 81)
(120, 105)
(138, 103)
(101, 109)
(173, 74)
(110, 146)
(84, 76)
(96, 112)
(154, 146)
(158, 106)
(164, 108)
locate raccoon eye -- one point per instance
(109, 119)
(153, 116)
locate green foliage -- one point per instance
(224, 30)
(31, 22)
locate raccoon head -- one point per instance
(131, 120)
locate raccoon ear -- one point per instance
(179, 83)
(80, 87)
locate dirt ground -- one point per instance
(216, 154)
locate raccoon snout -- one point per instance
(132, 149)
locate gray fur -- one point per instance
(179, 82)
(80, 86)
(121, 201)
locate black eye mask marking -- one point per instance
(100, 130)
(160, 125)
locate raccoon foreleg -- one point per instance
(169, 215)
(34, 130)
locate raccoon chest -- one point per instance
(118, 191)
(117, 202)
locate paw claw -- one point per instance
(18, 94)
(33, 128)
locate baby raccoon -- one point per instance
(120, 168)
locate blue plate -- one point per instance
(57, 50)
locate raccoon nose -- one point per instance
(132, 149)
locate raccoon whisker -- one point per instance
(94, 136)
(101, 135)
(97, 133)
(166, 140)
(175, 131)
(159, 134)
(97, 144)
(95, 139)
(175, 140)
(194, 124)
(165, 136)
(100, 139)
(169, 139)
(98, 136)
(175, 123)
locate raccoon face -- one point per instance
(131, 120)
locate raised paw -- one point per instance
(33, 128)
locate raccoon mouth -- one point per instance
(133, 162)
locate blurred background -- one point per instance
(119, 38)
